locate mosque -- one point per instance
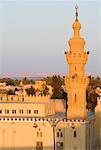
(32, 123)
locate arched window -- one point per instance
(21, 111)
(28, 111)
(74, 133)
(57, 134)
(13, 111)
(61, 134)
(39, 134)
(6, 111)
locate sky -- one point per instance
(34, 35)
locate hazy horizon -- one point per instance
(34, 35)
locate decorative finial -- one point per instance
(76, 7)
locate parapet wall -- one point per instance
(20, 98)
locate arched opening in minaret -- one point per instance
(75, 98)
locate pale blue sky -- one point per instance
(34, 34)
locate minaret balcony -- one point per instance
(74, 82)
(76, 57)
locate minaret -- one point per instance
(76, 83)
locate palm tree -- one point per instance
(91, 97)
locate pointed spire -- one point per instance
(76, 7)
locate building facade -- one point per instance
(32, 131)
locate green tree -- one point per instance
(31, 91)
(45, 90)
(57, 83)
(95, 81)
(25, 80)
(91, 97)
(17, 82)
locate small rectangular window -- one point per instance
(35, 111)
(21, 111)
(6, 111)
(13, 111)
(0, 111)
(39, 145)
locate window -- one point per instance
(61, 135)
(0, 111)
(35, 111)
(39, 145)
(57, 134)
(39, 134)
(23, 99)
(59, 145)
(13, 111)
(28, 111)
(74, 133)
(6, 111)
(1, 98)
(12, 98)
(75, 98)
(21, 111)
